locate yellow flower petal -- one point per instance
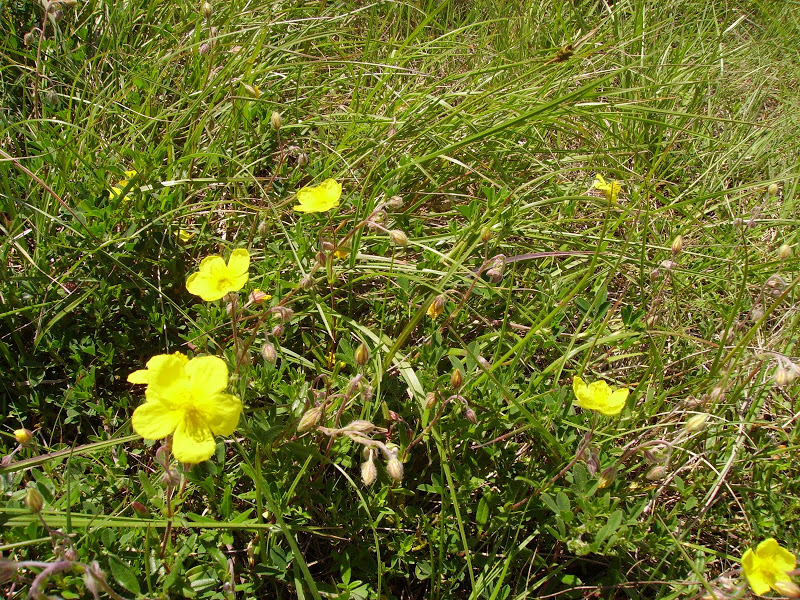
(208, 376)
(193, 442)
(155, 420)
(781, 558)
(768, 567)
(319, 198)
(221, 412)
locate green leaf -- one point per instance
(123, 574)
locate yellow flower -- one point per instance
(321, 198)
(184, 235)
(768, 567)
(611, 188)
(185, 398)
(117, 190)
(436, 307)
(23, 436)
(215, 278)
(599, 396)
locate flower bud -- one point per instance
(359, 426)
(362, 355)
(34, 500)
(772, 190)
(369, 473)
(655, 473)
(398, 237)
(309, 419)
(456, 378)
(677, 244)
(756, 315)
(171, 477)
(486, 234)
(430, 400)
(696, 422)
(276, 120)
(395, 469)
(781, 376)
(258, 296)
(395, 202)
(321, 258)
(784, 252)
(606, 478)
(252, 91)
(787, 588)
(269, 353)
(307, 282)
(284, 313)
(140, 509)
(436, 307)
(471, 416)
(302, 159)
(23, 436)
(494, 275)
(28, 38)
(207, 10)
(71, 554)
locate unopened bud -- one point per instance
(71, 554)
(28, 38)
(258, 296)
(51, 97)
(327, 245)
(606, 478)
(494, 275)
(756, 315)
(171, 477)
(398, 237)
(655, 473)
(252, 90)
(456, 378)
(436, 307)
(677, 244)
(302, 159)
(140, 509)
(781, 376)
(696, 422)
(362, 355)
(471, 416)
(207, 10)
(269, 353)
(430, 400)
(23, 436)
(772, 190)
(486, 234)
(787, 588)
(784, 252)
(34, 500)
(395, 202)
(276, 120)
(307, 282)
(369, 473)
(309, 419)
(717, 394)
(395, 469)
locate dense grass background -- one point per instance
(490, 119)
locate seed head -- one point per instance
(781, 376)
(677, 244)
(784, 252)
(277, 330)
(23, 436)
(276, 120)
(207, 10)
(430, 400)
(269, 353)
(772, 190)
(395, 202)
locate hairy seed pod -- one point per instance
(269, 353)
(276, 120)
(430, 400)
(655, 473)
(398, 237)
(362, 355)
(677, 244)
(772, 190)
(395, 469)
(309, 419)
(471, 416)
(784, 252)
(34, 500)
(207, 10)
(696, 422)
(369, 473)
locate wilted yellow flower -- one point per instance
(611, 189)
(215, 278)
(116, 190)
(185, 398)
(184, 235)
(23, 436)
(436, 308)
(599, 396)
(768, 566)
(319, 198)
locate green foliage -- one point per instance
(490, 120)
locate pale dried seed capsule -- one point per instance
(369, 473)
(276, 120)
(656, 473)
(269, 353)
(395, 469)
(309, 419)
(207, 10)
(398, 237)
(696, 422)
(781, 376)
(785, 251)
